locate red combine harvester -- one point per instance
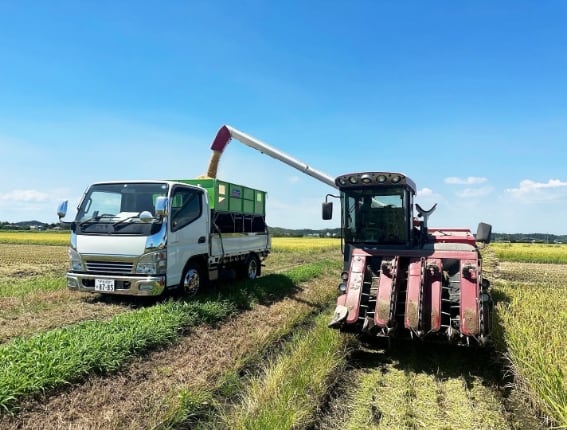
(401, 277)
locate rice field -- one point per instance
(394, 390)
(531, 252)
(532, 316)
(282, 244)
(29, 237)
(302, 244)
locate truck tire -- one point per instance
(192, 280)
(252, 267)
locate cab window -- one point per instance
(186, 207)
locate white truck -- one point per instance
(142, 238)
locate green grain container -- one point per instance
(227, 197)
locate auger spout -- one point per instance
(227, 132)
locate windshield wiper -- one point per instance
(123, 220)
(95, 218)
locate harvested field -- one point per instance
(233, 371)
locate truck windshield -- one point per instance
(118, 205)
(375, 215)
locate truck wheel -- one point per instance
(252, 267)
(191, 280)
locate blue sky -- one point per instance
(469, 99)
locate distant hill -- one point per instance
(26, 225)
(31, 224)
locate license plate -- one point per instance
(104, 285)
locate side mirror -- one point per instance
(62, 209)
(483, 232)
(161, 206)
(327, 210)
(146, 216)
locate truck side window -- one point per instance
(185, 207)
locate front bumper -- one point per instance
(123, 285)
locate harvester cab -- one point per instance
(377, 208)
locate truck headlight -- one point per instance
(75, 261)
(153, 263)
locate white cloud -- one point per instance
(471, 180)
(474, 192)
(425, 192)
(25, 196)
(294, 179)
(531, 191)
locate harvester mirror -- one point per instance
(327, 210)
(161, 206)
(62, 209)
(483, 232)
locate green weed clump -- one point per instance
(21, 288)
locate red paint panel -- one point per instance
(384, 295)
(354, 287)
(412, 315)
(432, 290)
(469, 313)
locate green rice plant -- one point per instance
(293, 385)
(35, 364)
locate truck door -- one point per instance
(188, 230)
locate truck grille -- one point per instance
(118, 267)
